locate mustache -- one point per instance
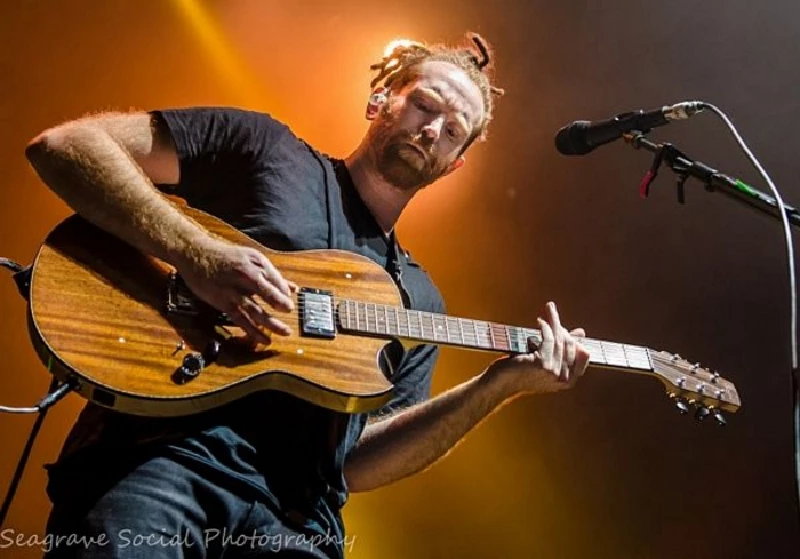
(413, 141)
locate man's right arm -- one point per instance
(104, 168)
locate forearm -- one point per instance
(415, 438)
(100, 180)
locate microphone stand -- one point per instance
(713, 180)
(684, 167)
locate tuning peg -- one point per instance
(683, 407)
(719, 417)
(701, 413)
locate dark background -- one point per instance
(608, 470)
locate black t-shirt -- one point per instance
(254, 173)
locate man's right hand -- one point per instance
(240, 281)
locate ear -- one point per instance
(379, 96)
(457, 164)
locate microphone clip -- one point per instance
(664, 152)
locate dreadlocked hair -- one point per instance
(473, 56)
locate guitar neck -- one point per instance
(395, 322)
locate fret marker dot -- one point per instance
(121, 340)
(299, 352)
(349, 276)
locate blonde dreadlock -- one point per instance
(473, 57)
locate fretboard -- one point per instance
(389, 321)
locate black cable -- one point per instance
(54, 394)
(23, 460)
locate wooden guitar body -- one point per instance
(99, 317)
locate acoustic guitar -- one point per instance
(123, 329)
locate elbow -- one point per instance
(36, 148)
(355, 484)
(57, 142)
(356, 477)
(47, 143)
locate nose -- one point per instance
(433, 129)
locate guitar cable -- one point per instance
(55, 393)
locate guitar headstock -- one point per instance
(689, 384)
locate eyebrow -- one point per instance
(463, 121)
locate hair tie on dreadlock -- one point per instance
(478, 40)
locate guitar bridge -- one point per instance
(317, 311)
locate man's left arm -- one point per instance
(411, 440)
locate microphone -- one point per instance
(582, 136)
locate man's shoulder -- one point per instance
(223, 116)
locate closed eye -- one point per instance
(454, 132)
(422, 106)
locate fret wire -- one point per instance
(350, 304)
(478, 333)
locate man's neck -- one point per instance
(385, 201)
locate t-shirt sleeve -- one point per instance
(412, 382)
(217, 143)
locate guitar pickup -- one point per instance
(316, 313)
(180, 299)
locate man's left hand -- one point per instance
(555, 364)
